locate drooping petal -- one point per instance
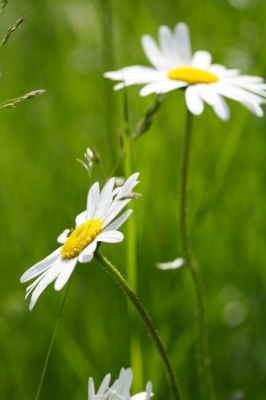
(257, 88)
(254, 108)
(35, 283)
(193, 100)
(209, 95)
(65, 274)
(41, 266)
(221, 109)
(51, 275)
(110, 237)
(237, 93)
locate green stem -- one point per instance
(203, 356)
(145, 319)
(131, 261)
(51, 345)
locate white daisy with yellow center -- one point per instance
(120, 390)
(175, 67)
(92, 227)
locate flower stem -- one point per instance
(131, 262)
(203, 353)
(145, 319)
(51, 344)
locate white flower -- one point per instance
(175, 67)
(92, 227)
(120, 390)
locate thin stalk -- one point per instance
(131, 261)
(122, 283)
(51, 345)
(203, 353)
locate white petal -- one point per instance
(153, 53)
(81, 218)
(254, 108)
(246, 79)
(177, 263)
(40, 266)
(85, 258)
(181, 32)
(128, 186)
(104, 385)
(110, 237)
(257, 88)
(154, 87)
(149, 390)
(65, 274)
(87, 254)
(136, 74)
(162, 87)
(116, 191)
(221, 109)
(105, 199)
(50, 276)
(63, 237)
(172, 85)
(201, 59)
(91, 390)
(236, 93)
(139, 396)
(193, 100)
(124, 382)
(35, 283)
(92, 201)
(168, 45)
(114, 210)
(209, 95)
(118, 222)
(217, 69)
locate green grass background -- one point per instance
(64, 47)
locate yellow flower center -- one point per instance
(81, 237)
(192, 75)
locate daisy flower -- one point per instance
(176, 67)
(93, 226)
(120, 390)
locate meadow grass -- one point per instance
(64, 47)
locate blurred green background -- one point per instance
(64, 47)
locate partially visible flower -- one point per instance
(177, 263)
(93, 226)
(175, 67)
(120, 390)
